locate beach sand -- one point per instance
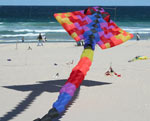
(29, 85)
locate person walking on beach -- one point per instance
(45, 39)
(40, 40)
(22, 39)
(138, 37)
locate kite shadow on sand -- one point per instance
(37, 89)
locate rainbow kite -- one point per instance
(94, 26)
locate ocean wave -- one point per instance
(40, 31)
(62, 30)
(137, 29)
(1, 22)
(44, 31)
(22, 35)
(140, 32)
(52, 22)
(23, 30)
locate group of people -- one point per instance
(80, 43)
(40, 39)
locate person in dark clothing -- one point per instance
(138, 37)
(40, 40)
(22, 39)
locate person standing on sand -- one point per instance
(138, 37)
(40, 40)
(45, 39)
(22, 39)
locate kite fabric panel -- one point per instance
(95, 24)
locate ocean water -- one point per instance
(28, 21)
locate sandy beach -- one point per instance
(29, 85)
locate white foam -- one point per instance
(140, 32)
(52, 22)
(49, 30)
(137, 29)
(40, 31)
(23, 30)
(21, 35)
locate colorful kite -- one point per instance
(139, 58)
(94, 26)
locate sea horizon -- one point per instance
(28, 21)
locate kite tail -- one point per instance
(74, 81)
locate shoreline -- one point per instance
(37, 42)
(69, 41)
